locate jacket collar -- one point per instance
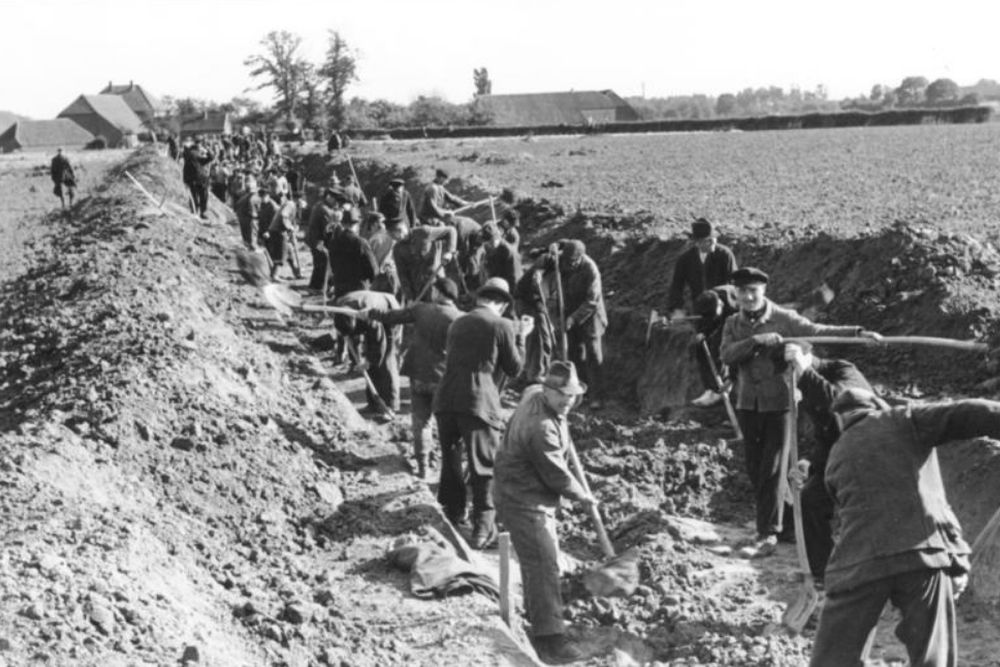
(765, 316)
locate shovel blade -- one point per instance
(800, 610)
(281, 298)
(618, 576)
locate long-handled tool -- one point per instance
(474, 204)
(287, 301)
(798, 612)
(563, 337)
(951, 343)
(723, 390)
(504, 550)
(356, 358)
(619, 575)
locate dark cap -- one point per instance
(350, 217)
(702, 229)
(447, 288)
(749, 275)
(397, 181)
(563, 378)
(572, 249)
(440, 173)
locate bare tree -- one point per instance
(340, 70)
(281, 68)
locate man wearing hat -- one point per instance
(898, 540)
(586, 317)
(196, 175)
(499, 258)
(352, 261)
(436, 200)
(63, 178)
(752, 342)
(424, 362)
(531, 478)
(706, 264)
(482, 346)
(324, 223)
(397, 206)
(247, 210)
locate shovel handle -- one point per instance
(722, 388)
(595, 515)
(336, 310)
(951, 343)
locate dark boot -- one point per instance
(556, 650)
(484, 530)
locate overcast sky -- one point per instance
(54, 50)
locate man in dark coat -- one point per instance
(586, 317)
(713, 307)
(324, 223)
(279, 220)
(397, 206)
(380, 345)
(706, 264)
(752, 342)
(898, 540)
(467, 405)
(352, 261)
(424, 362)
(420, 254)
(437, 199)
(63, 178)
(197, 176)
(499, 258)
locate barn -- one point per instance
(207, 124)
(582, 107)
(105, 116)
(44, 135)
(138, 99)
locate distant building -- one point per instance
(207, 123)
(30, 135)
(8, 118)
(145, 105)
(570, 108)
(105, 116)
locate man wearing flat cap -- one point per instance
(424, 362)
(531, 477)
(437, 199)
(752, 342)
(397, 206)
(586, 317)
(482, 344)
(706, 264)
(898, 540)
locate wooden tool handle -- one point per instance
(336, 310)
(951, 343)
(793, 455)
(504, 549)
(602, 534)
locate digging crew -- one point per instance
(586, 318)
(247, 209)
(380, 342)
(713, 307)
(706, 264)
(279, 217)
(63, 178)
(324, 223)
(421, 256)
(424, 362)
(531, 477)
(437, 199)
(196, 175)
(397, 206)
(752, 343)
(352, 261)
(820, 382)
(482, 344)
(898, 539)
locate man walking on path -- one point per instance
(586, 317)
(706, 264)
(196, 175)
(898, 539)
(437, 199)
(424, 363)
(531, 477)
(481, 345)
(63, 178)
(752, 342)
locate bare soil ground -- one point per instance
(185, 475)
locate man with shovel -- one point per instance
(437, 199)
(532, 475)
(584, 315)
(381, 342)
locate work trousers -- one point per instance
(586, 351)
(533, 535)
(817, 518)
(763, 435)
(925, 599)
(319, 279)
(281, 246)
(385, 377)
(249, 232)
(199, 193)
(421, 399)
(220, 190)
(463, 433)
(538, 349)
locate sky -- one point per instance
(55, 50)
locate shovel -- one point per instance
(286, 301)
(723, 389)
(619, 575)
(563, 340)
(798, 612)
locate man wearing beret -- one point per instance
(586, 317)
(898, 540)
(706, 264)
(481, 346)
(531, 478)
(752, 342)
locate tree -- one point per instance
(911, 90)
(725, 105)
(281, 68)
(941, 90)
(313, 104)
(481, 78)
(340, 70)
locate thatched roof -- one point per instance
(111, 108)
(44, 134)
(143, 103)
(565, 108)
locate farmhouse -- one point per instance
(138, 99)
(207, 123)
(106, 116)
(43, 135)
(568, 108)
